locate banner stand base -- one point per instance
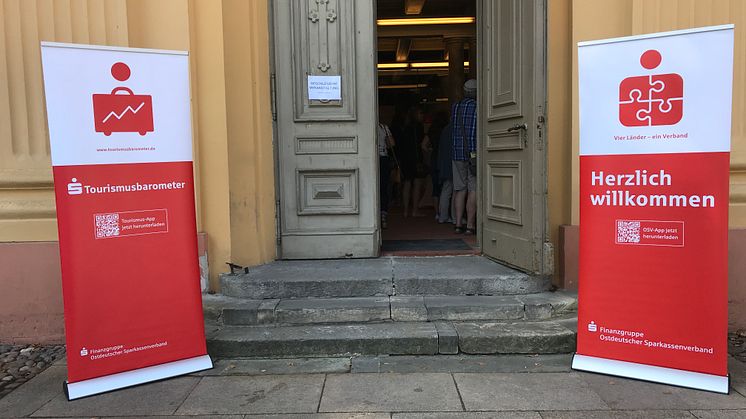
(681, 378)
(132, 378)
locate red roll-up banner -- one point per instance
(655, 126)
(121, 144)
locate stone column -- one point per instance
(455, 48)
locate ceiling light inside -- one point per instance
(403, 86)
(426, 21)
(434, 64)
(392, 65)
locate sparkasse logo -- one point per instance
(653, 99)
(74, 187)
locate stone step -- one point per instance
(392, 338)
(461, 275)
(511, 338)
(317, 340)
(450, 275)
(519, 307)
(528, 307)
(311, 279)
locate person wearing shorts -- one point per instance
(462, 179)
(464, 133)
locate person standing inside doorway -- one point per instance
(464, 133)
(409, 155)
(445, 174)
(385, 142)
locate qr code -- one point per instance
(107, 225)
(628, 232)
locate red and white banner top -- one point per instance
(659, 93)
(116, 105)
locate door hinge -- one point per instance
(278, 228)
(273, 95)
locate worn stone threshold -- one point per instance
(385, 276)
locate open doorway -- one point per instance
(426, 52)
(327, 159)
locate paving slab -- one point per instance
(465, 308)
(159, 398)
(620, 414)
(333, 310)
(390, 393)
(627, 394)
(258, 394)
(408, 308)
(551, 391)
(468, 415)
(325, 340)
(461, 275)
(463, 363)
(325, 416)
(190, 417)
(249, 366)
(719, 414)
(312, 278)
(737, 371)
(515, 338)
(35, 393)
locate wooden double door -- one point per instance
(326, 148)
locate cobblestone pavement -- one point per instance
(19, 363)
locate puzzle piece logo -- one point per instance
(655, 99)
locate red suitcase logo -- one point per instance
(122, 110)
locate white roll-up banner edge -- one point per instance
(680, 378)
(121, 380)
